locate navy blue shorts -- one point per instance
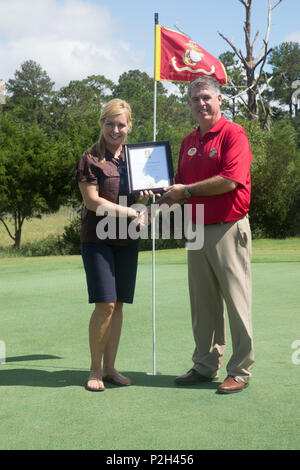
(110, 271)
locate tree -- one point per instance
(137, 89)
(250, 62)
(30, 94)
(285, 61)
(236, 80)
(174, 119)
(78, 106)
(275, 177)
(34, 175)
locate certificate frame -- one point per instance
(147, 175)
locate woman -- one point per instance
(110, 263)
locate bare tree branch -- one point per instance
(240, 96)
(261, 100)
(247, 39)
(249, 62)
(263, 58)
(270, 8)
(182, 32)
(276, 4)
(267, 34)
(7, 229)
(238, 53)
(242, 92)
(255, 37)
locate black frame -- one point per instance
(145, 145)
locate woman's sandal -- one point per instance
(97, 379)
(117, 379)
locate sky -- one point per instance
(72, 39)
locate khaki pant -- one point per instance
(221, 271)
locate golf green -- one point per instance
(44, 327)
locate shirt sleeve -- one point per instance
(236, 157)
(86, 170)
(178, 178)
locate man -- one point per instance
(214, 170)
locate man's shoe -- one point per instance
(232, 385)
(192, 377)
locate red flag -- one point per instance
(179, 59)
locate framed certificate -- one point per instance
(149, 166)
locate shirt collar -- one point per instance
(216, 128)
(110, 157)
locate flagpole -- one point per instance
(155, 84)
(153, 229)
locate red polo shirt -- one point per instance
(224, 150)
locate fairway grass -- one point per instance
(44, 324)
(37, 229)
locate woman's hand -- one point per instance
(142, 218)
(144, 196)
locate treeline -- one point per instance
(44, 131)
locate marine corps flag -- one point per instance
(179, 59)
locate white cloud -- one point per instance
(293, 37)
(70, 39)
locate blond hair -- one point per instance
(112, 108)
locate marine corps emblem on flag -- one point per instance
(193, 54)
(178, 58)
(191, 57)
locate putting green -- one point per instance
(44, 324)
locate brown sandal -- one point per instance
(117, 379)
(97, 379)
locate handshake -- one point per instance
(144, 214)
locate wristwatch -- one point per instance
(186, 191)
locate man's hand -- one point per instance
(175, 192)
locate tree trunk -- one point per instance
(250, 63)
(18, 230)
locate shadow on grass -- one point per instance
(71, 378)
(32, 357)
(143, 379)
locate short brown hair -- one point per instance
(203, 83)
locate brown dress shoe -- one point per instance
(232, 385)
(192, 377)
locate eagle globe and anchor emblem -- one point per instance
(191, 57)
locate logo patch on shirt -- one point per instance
(192, 151)
(213, 152)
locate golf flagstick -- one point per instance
(154, 372)
(153, 216)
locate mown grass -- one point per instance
(264, 250)
(44, 324)
(38, 229)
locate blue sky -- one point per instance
(202, 19)
(72, 39)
